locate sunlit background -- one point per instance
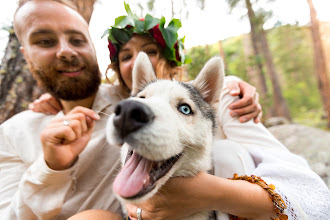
(200, 27)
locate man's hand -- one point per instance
(248, 106)
(65, 138)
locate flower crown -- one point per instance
(125, 26)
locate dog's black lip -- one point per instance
(155, 174)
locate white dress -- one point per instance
(251, 149)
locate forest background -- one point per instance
(282, 59)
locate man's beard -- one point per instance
(69, 88)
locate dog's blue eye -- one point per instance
(185, 109)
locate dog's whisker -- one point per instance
(103, 113)
(189, 146)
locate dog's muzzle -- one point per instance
(138, 175)
(130, 116)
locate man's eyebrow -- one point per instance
(71, 31)
(40, 31)
(46, 31)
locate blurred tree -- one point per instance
(299, 86)
(258, 34)
(85, 8)
(222, 54)
(256, 66)
(149, 6)
(319, 62)
(17, 86)
(250, 60)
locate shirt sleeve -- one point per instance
(304, 192)
(29, 191)
(248, 133)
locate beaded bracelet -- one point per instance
(279, 204)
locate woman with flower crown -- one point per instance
(263, 155)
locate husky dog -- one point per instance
(165, 129)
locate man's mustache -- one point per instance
(74, 62)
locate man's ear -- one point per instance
(21, 48)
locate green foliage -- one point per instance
(199, 56)
(127, 25)
(10, 29)
(235, 57)
(292, 51)
(312, 118)
(293, 57)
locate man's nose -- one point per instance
(66, 51)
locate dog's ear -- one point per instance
(142, 73)
(209, 81)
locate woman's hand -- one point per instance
(181, 197)
(46, 104)
(175, 200)
(248, 106)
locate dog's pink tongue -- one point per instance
(132, 176)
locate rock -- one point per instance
(311, 143)
(273, 121)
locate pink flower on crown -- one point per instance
(112, 50)
(155, 32)
(177, 55)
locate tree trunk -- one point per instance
(258, 35)
(319, 62)
(253, 72)
(85, 8)
(172, 8)
(222, 55)
(254, 41)
(17, 85)
(281, 107)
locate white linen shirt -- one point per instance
(31, 190)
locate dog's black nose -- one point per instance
(130, 116)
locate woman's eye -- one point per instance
(185, 109)
(151, 52)
(125, 58)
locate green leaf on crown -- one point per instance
(150, 22)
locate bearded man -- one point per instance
(59, 175)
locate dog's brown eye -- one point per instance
(142, 97)
(185, 109)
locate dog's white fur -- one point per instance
(172, 132)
